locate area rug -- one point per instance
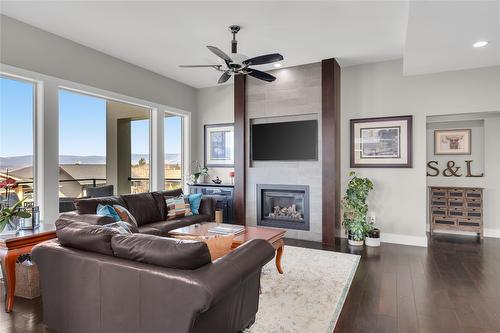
(309, 295)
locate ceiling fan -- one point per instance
(238, 63)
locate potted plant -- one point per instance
(355, 208)
(194, 177)
(372, 235)
(10, 215)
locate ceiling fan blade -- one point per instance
(225, 76)
(261, 75)
(263, 59)
(193, 66)
(218, 52)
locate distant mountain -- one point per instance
(16, 162)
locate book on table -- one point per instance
(227, 229)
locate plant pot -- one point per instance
(354, 242)
(373, 238)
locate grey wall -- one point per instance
(30, 48)
(380, 89)
(485, 130)
(215, 105)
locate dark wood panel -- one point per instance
(330, 117)
(239, 149)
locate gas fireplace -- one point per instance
(283, 206)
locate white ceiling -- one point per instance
(440, 36)
(160, 35)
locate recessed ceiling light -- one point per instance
(278, 64)
(481, 43)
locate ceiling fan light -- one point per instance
(481, 43)
(278, 65)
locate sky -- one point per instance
(82, 124)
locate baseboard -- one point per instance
(493, 233)
(490, 233)
(403, 239)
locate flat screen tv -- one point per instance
(285, 141)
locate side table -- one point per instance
(11, 247)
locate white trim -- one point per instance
(492, 233)
(403, 239)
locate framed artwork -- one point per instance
(384, 142)
(452, 142)
(219, 145)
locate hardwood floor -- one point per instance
(453, 286)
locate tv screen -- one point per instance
(285, 141)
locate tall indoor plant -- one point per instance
(356, 208)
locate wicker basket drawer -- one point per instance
(439, 192)
(473, 193)
(456, 203)
(474, 213)
(455, 193)
(456, 213)
(438, 201)
(444, 221)
(439, 211)
(467, 222)
(474, 203)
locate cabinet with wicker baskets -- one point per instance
(456, 209)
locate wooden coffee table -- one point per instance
(273, 236)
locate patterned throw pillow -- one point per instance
(125, 215)
(218, 245)
(107, 210)
(120, 226)
(177, 207)
(195, 202)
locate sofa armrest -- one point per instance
(207, 207)
(87, 218)
(232, 269)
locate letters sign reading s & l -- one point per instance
(451, 170)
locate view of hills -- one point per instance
(16, 162)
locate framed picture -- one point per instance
(384, 142)
(219, 145)
(452, 142)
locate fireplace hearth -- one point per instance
(283, 206)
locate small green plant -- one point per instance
(355, 207)
(8, 214)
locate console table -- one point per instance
(222, 193)
(456, 209)
(11, 247)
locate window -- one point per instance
(17, 110)
(140, 166)
(82, 145)
(173, 151)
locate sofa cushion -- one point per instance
(163, 227)
(160, 196)
(178, 207)
(89, 205)
(84, 236)
(107, 210)
(161, 251)
(143, 207)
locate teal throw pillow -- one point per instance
(108, 210)
(194, 202)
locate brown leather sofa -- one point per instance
(95, 280)
(149, 209)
